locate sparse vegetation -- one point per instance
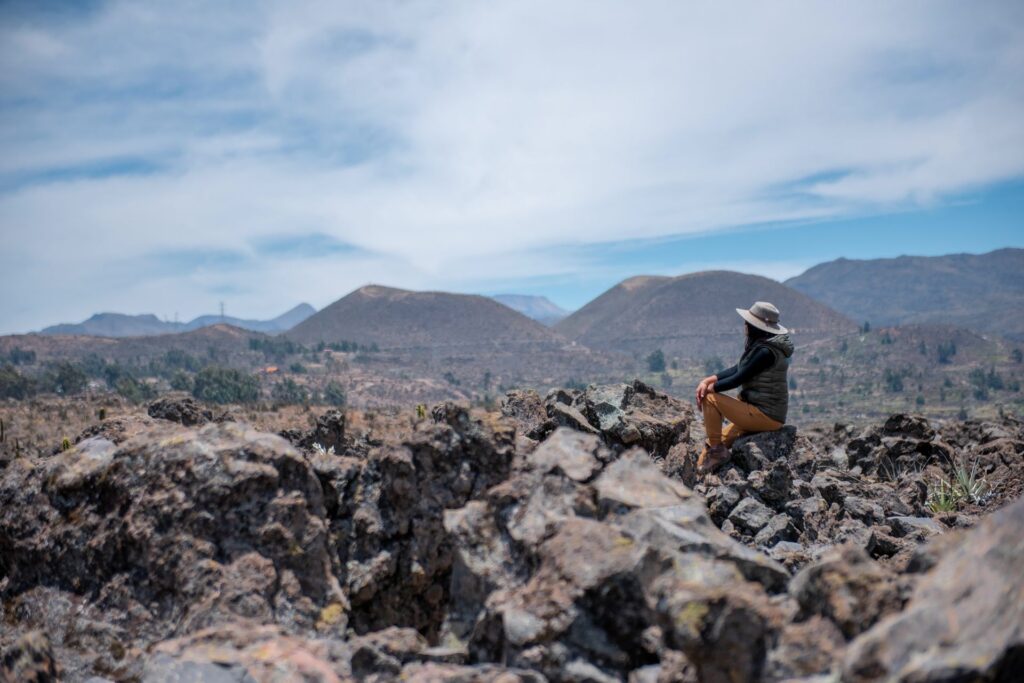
(893, 380)
(962, 487)
(225, 385)
(656, 361)
(289, 392)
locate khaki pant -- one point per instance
(743, 417)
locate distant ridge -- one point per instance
(539, 308)
(982, 292)
(121, 325)
(398, 319)
(693, 315)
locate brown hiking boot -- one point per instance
(712, 458)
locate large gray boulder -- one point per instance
(965, 619)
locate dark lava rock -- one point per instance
(558, 575)
(913, 426)
(623, 415)
(750, 515)
(30, 660)
(184, 411)
(849, 588)
(965, 619)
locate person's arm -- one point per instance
(757, 362)
(728, 372)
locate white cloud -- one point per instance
(448, 139)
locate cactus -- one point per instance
(421, 411)
(103, 414)
(65, 444)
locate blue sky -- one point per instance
(166, 157)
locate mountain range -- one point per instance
(540, 308)
(686, 316)
(401, 319)
(982, 292)
(121, 325)
(693, 315)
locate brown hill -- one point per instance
(219, 341)
(693, 316)
(400, 319)
(983, 292)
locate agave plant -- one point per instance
(320, 450)
(943, 496)
(968, 484)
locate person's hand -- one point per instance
(707, 385)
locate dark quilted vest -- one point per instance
(769, 390)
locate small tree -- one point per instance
(181, 381)
(334, 394)
(64, 378)
(656, 361)
(225, 385)
(893, 381)
(289, 392)
(15, 385)
(946, 351)
(1017, 356)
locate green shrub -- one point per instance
(334, 394)
(65, 378)
(656, 361)
(134, 390)
(19, 356)
(15, 385)
(217, 384)
(289, 392)
(181, 381)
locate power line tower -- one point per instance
(222, 311)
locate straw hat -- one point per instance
(763, 316)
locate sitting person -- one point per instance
(764, 396)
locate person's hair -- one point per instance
(755, 334)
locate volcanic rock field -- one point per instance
(564, 537)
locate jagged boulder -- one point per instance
(241, 651)
(177, 521)
(185, 411)
(623, 415)
(849, 588)
(965, 618)
(606, 568)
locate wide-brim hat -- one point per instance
(763, 316)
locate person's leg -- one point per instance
(744, 417)
(712, 420)
(731, 433)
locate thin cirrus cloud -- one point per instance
(293, 151)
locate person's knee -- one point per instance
(711, 398)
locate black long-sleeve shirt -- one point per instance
(748, 368)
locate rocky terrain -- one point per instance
(562, 538)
